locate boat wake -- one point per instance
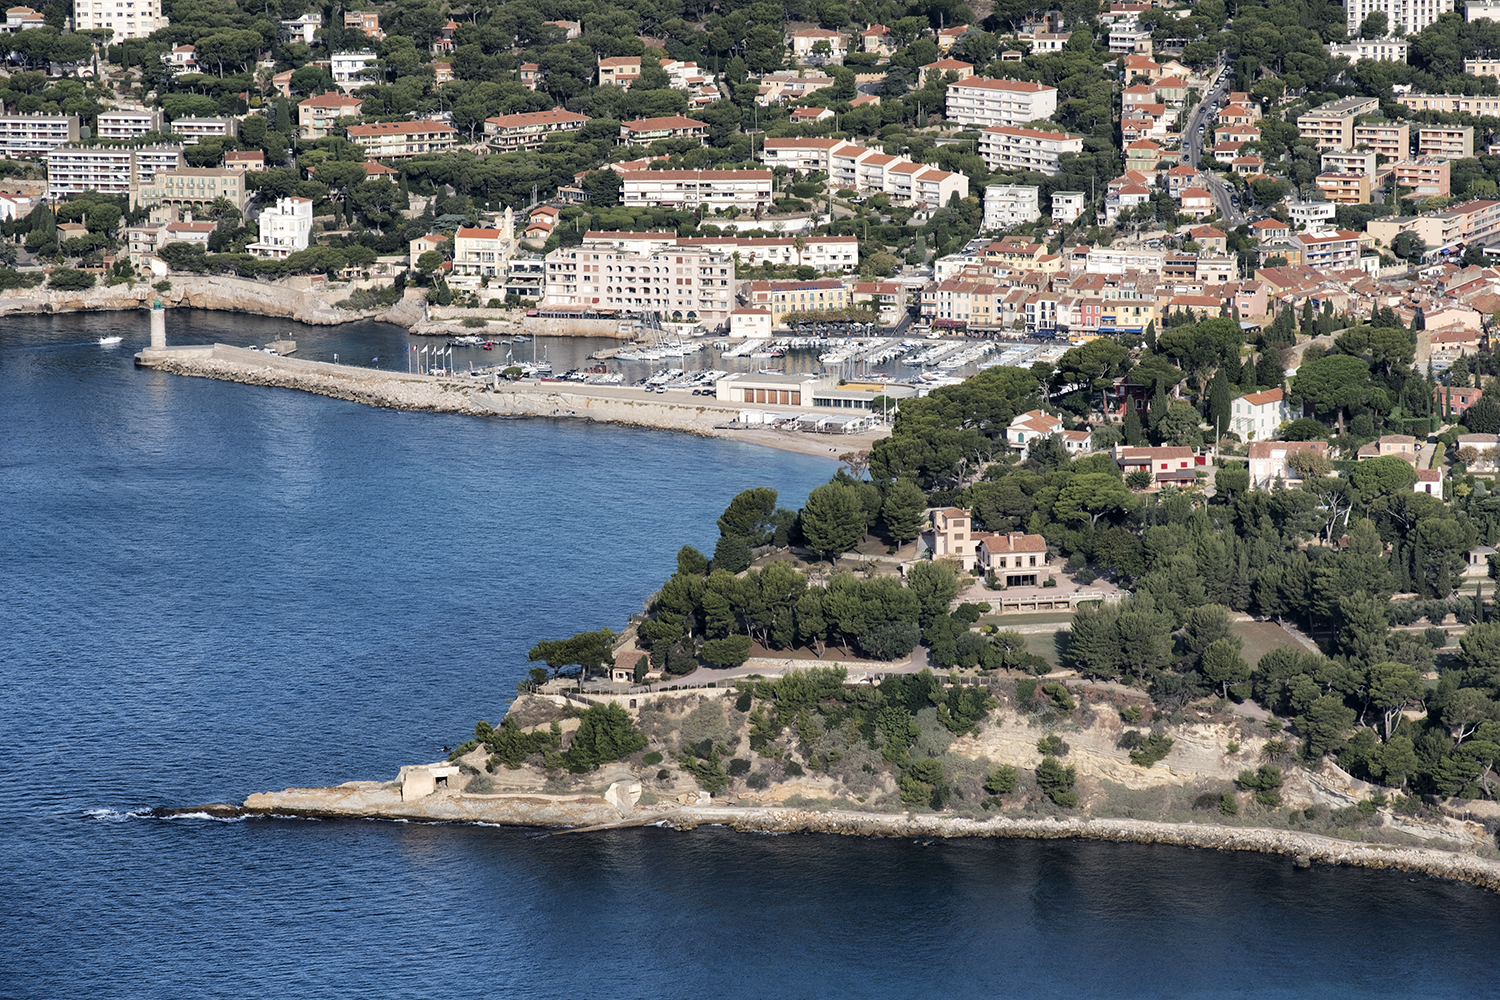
(123, 815)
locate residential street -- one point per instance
(1202, 114)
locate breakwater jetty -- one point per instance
(673, 410)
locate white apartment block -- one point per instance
(530, 128)
(1339, 161)
(1009, 147)
(858, 168)
(126, 18)
(747, 190)
(285, 228)
(193, 129)
(348, 68)
(682, 284)
(1067, 205)
(34, 135)
(800, 154)
(999, 102)
(825, 253)
(804, 43)
(1378, 49)
(1256, 416)
(1011, 205)
(1413, 15)
(108, 169)
(123, 125)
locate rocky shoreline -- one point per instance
(573, 814)
(300, 302)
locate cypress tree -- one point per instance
(1218, 403)
(1151, 336)
(1268, 370)
(1135, 436)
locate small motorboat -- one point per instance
(106, 341)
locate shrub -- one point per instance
(1060, 696)
(1052, 745)
(1130, 739)
(1435, 637)
(651, 759)
(738, 767)
(1001, 780)
(1207, 800)
(1229, 805)
(1051, 581)
(759, 780)
(1025, 691)
(1265, 782)
(743, 702)
(1084, 576)
(1152, 750)
(1233, 747)
(793, 769)
(663, 774)
(67, 279)
(1131, 714)
(1057, 781)
(475, 322)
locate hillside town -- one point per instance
(1094, 172)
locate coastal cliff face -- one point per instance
(220, 292)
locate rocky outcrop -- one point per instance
(282, 299)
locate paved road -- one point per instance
(1217, 186)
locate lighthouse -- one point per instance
(158, 326)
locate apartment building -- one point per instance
(1010, 147)
(1472, 221)
(480, 252)
(1378, 49)
(1256, 415)
(285, 228)
(1413, 15)
(826, 253)
(530, 128)
(645, 131)
(682, 284)
(34, 135)
(190, 188)
(1331, 125)
(1451, 142)
(124, 125)
(1388, 139)
(1067, 206)
(818, 47)
(1451, 103)
(783, 298)
(619, 71)
(108, 169)
(1344, 189)
(805, 154)
(1334, 252)
(1011, 205)
(317, 116)
(959, 302)
(1483, 67)
(398, 140)
(984, 103)
(303, 29)
(778, 87)
(1427, 176)
(350, 69)
(190, 130)
(245, 161)
(132, 19)
(1338, 161)
(366, 21)
(747, 190)
(21, 19)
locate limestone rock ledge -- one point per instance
(289, 299)
(376, 800)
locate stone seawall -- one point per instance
(402, 391)
(292, 299)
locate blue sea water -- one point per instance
(211, 589)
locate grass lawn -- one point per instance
(1044, 645)
(1262, 637)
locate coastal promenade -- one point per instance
(673, 410)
